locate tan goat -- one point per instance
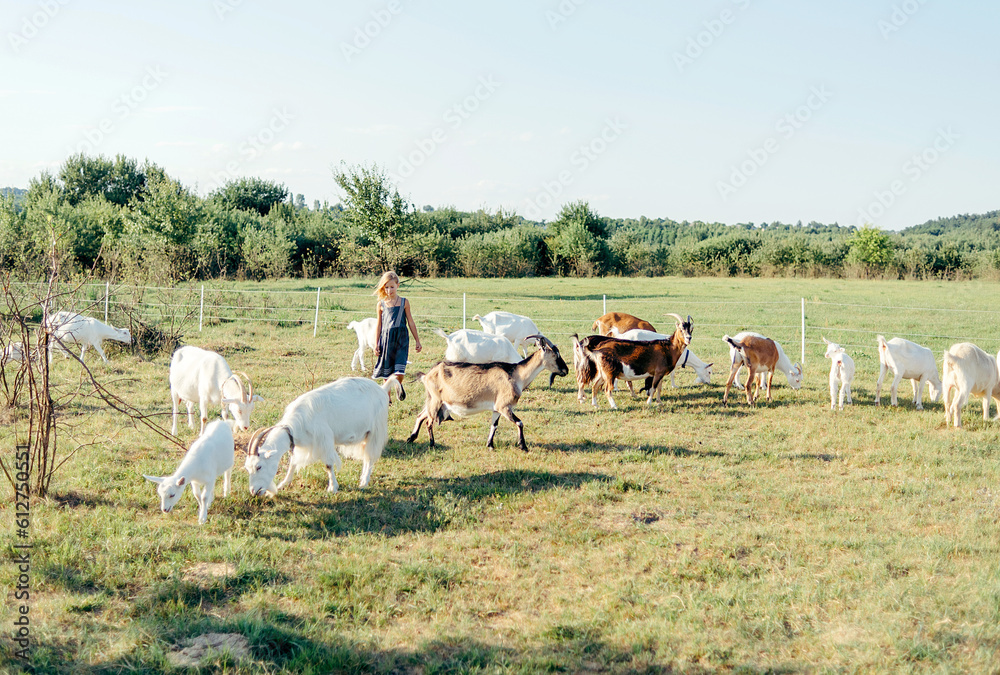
(759, 355)
(621, 321)
(464, 389)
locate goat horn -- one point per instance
(253, 443)
(676, 316)
(249, 396)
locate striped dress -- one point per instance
(394, 341)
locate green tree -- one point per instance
(251, 194)
(119, 181)
(871, 247)
(577, 240)
(375, 208)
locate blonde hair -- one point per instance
(380, 287)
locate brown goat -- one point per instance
(621, 321)
(632, 360)
(759, 355)
(464, 389)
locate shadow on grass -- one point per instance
(279, 642)
(652, 450)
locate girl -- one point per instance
(393, 343)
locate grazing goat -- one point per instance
(365, 330)
(841, 373)
(623, 322)
(210, 456)
(348, 417)
(702, 370)
(475, 346)
(968, 370)
(907, 360)
(463, 389)
(585, 366)
(516, 328)
(793, 372)
(631, 360)
(201, 375)
(71, 328)
(759, 355)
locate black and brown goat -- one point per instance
(760, 356)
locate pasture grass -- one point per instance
(686, 537)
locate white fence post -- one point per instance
(107, 288)
(316, 318)
(463, 311)
(201, 312)
(803, 333)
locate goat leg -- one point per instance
(494, 423)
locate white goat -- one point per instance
(841, 373)
(516, 328)
(349, 417)
(969, 370)
(201, 375)
(12, 353)
(792, 372)
(71, 328)
(210, 456)
(910, 361)
(367, 338)
(475, 346)
(702, 370)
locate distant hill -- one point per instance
(966, 231)
(18, 194)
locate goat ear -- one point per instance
(257, 399)
(709, 365)
(227, 401)
(181, 481)
(155, 479)
(825, 341)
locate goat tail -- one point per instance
(882, 344)
(738, 346)
(392, 384)
(441, 332)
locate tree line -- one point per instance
(129, 221)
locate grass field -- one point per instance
(688, 537)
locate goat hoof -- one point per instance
(411, 438)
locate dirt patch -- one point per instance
(209, 645)
(205, 573)
(229, 348)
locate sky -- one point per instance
(734, 111)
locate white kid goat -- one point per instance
(841, 373)
(475, 346)
(202, 376)
(516, 328)
(210, 456)
(907, 360)
(702, 370)
(367, 339)
(968, 370)
(349, 417)
(67, 328)
(793, 372)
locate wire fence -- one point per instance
(797, 323)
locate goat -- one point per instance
(585, 366)
(201, 375)
(456, 390)
(760, 356)
(12, 353)
(907, 360)
(969, 370)
(623, 322)
(793, 372)
(476, 346)
(516, 328)
(631, 360)
(71, 328)
(841, 372)
(365, 330)
(702, 370)
(348, 417)
(210, 456)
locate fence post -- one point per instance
(107, 288)
(463, 311)
(316, 318)
(803, 333)
(605, 305)
(201, 312)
